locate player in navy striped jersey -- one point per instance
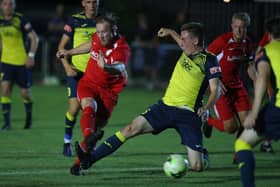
(78, 30)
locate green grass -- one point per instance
(32, 158)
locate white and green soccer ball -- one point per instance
(175, 166)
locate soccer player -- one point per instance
(261, 122)
(78, 30)
(266, 144)
(232, 49)
(16, 60)
(103, 80)
(181, 107)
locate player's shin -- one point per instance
(6, 109)
(108, 146)
(87, 124)
(28, 114)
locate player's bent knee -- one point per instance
(230, 129)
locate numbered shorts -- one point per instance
(72, 84)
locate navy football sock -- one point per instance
(28, 114)
(6, 108)
(246, 162)
(69, 125)
(108, 146)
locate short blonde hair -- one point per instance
(243, 16)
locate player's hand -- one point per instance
(29, 63)
(62, 54)
(250, 121)
(203, 113)
(100, 60)
(163, 32)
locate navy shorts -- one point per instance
(268, 122)
(185, 122)
(72, 84)
(20, 75)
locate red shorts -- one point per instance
(105, 98)
(234, 101)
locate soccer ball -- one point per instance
(175, 166)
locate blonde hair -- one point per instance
(243, 16)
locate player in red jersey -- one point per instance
(232, 49)
(104, 79)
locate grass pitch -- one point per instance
(33, 158)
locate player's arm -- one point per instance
(65, 39)
(81, 49)
(163, 32)
(34, 40)
(260, 90)
(215, 92)
(116, 67)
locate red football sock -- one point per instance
(217, 123)
(87, 123)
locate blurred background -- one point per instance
(152, 59)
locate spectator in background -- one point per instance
(56, 23)
(54, 32)
(144, 58)
(78, 30)
(181, 18)
(16, 59)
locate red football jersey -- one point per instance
(118, 51)
(265, 40)
(231, 55)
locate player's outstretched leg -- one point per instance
(109, 146)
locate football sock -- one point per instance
(69, 125)
(246, 163)
(28, 113)
(108, 146)
(6, 109)
(217, 123)
(87, 124)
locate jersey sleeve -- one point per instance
(265, 40)
(121, 53)
(261, 57)
(69, 27)
(217, 45)
(26, 25)
(212, 67)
